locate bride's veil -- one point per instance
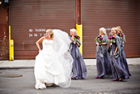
(61, 45)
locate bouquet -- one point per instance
(121, 35)
(76, 39)
(99, 39)
(111, 39)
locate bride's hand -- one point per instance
(39, 50)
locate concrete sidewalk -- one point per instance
(4, 64)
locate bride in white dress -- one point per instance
(53, 64)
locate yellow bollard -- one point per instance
(80, 33)
(12, 49)
(11, 46)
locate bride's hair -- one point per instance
(50, 31)
(74, 31)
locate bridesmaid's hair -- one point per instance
(119, 29)
(103, 29)
(115, 29)
(74, 31)
(50, 31)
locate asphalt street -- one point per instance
(22, 81)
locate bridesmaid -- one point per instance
(123, 59)
(102, 56)
(79, 70)
(118, 72)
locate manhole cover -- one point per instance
(12, 75)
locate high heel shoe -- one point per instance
(114, 80)
(102, 77)
(120, 79)
(74, 78)
(96, 77)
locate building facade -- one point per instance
(29, 20)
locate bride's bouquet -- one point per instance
(76, 39)
(111, 39)
(99, 39)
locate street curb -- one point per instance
(16, 68)
(1, 68)
(25, 67)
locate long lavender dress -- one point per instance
(123, 58)
(79, 70)
(116, 66)
(103, 60)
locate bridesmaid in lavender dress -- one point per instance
(79, 70)
(102, 56)
(123, 59)
(118, 72)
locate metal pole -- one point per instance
(79, 22)
(11, 42)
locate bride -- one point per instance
(53, 64)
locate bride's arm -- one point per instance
(39, 41)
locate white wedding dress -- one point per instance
(54, 63)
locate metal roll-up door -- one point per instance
(4, 38)
(108, 14)
(30, 19)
